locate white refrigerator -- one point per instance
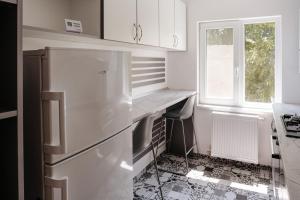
(77, 127)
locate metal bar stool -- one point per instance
(142, 139)
(180, 115)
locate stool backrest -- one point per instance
(142, 134)
(188, 108)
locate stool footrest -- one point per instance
(189, 151)
(171, 172)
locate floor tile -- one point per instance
(208, 178)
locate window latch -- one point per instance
(237, 70)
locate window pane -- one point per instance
(260, 62)
(220, 63)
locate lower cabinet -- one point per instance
(8, 129)
(278, 178)
(10, 100)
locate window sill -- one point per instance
(234, 109)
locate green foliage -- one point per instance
(260, 62)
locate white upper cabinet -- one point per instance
(172, 22)
(134, 21)
(119, 20)
(167, 23)
(148, 22)
(180, 25)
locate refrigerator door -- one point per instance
(102, 172)
(86, 98)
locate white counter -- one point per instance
(289, 150)
(157, 101)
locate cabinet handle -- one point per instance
(141, 32)
(134, 30)
(273, 127)
(60, 97)
(174, 41)
(177, 40)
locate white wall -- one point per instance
(182, 71)
(48, 14)
(88, 12)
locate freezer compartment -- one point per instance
(86, 98)
(102, 172)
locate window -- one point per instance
(259, 62)
(239, 62)
(220, 58)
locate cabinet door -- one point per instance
(166, 23)
(180, 25)
(119, 20)
(148, 22)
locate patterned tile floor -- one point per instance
(208, 178)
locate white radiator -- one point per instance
(235, 136)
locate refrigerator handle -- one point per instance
(61, 147)
(50, 184)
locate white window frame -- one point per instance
(203, 53)
(239, 62)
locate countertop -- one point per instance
(289, 150)
(157, 101)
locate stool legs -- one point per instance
(171, 135)
(159, 135)
(194, 133)
(184, 143)
(183, 137)
(156, 170)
